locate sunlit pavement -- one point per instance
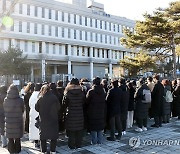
(165, 139)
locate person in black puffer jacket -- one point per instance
(3, 92)
(13, 111)
(96, 111)
(73, 101)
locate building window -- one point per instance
(42, 30)
(80, 35)
(100, 24)
(18, 44)
(114, 27)
(109, 26)
(86, 36)
(54, 49)
(96, 23)
(105, 25)
(60, 49)
(114, 40)
(20, 8)
(43, 13)
(69, 17)
(85, 21)
(91, 22)
(26, 46)
(110, 40)
(36, 11)
(83, 51)
(118, 28)
(20, 26)
(47, 47)
(80, 20)
(96, 37)
(62, 32)
(28, 10)
(74, 34)
(105, 38)
(74, 19)
(28, 27)
(33, 47)
(91, 36)
(62, 16)
(49, 13)
(40, 47)
(56, 15)
(56, 31)
(35, 28)
(12, 27)
(69, 33)
(49, 30)
(101, 38)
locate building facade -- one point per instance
(62, 38)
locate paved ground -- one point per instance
(161, 140)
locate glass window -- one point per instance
(56, 32)
(47, 47)
(28, 27)
(114, 27)
(42, 30)
(40, 47)
(74, 34)
(105, 38)
(80, 35)
(80, 20)
(86, 36)
(74, 19)
(33, 47)
(91, 36)
(28, 10)
(56, 15)
(62, 16)
(60, 49)
(110, 40)
(109, 26)
(35, 28)
(54, 49)
(91, 22)
(96, 23)
(118, 28)
(20, 26)
(20, 8)
(49, 30)
(12, 27)
(105, 25)
(69, 17)
(26, 46)
(101, 38)
(85, 21)
(36, 11)
(49, 13)
(100, 24)
(62, 32)
(114, 40)
(96, 37)
(69, 33)
(43, 13)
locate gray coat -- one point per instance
(13, 110)
(2, 96)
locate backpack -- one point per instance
(168, 96)
(146, 96)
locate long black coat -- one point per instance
(131, 99)
(141, 109)
(48, 108)
(157, 100)
(124, 102)
(73, 101)
(166, 105)
(96, 108)
(114, 98)
(2, 122)
(13, 110)
(176, 101)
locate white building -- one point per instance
(66, 38)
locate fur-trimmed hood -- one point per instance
(73, 88)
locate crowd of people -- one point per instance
(115, 105)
